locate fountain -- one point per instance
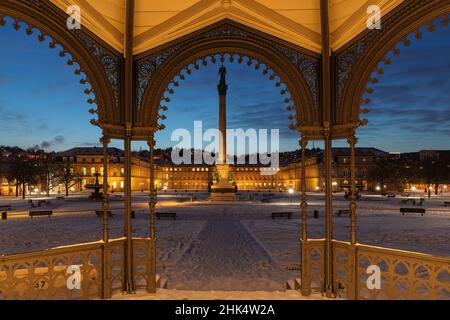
(96, 195)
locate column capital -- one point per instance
(326, 129)
(303, 142)
(105, 140)
(352, 140)
(128, 129)
(151, 141)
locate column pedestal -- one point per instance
(223, 189)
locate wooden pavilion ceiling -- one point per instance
(158, 22)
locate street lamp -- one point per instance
(291, 192)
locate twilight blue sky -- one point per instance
(42, 102)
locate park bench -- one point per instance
(412, 210)
(343, 211)
(39, 213)
(413, 201)
(47, 202)
(281, 214)
(6, 207)
(99, 213)
(405, 195)
(268, 195)
(446, 203)
(172, 215)
(390, 195)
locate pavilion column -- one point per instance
(304, 204)
(329, 287)
(352, 140)
(305, 277)
(352, 254)
(128, 114)
(106, 258)
(128, 229)
(326, 95)
(151, 283)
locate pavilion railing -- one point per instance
(43, 274)
(403, 274)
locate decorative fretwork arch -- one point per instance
(100, 64)
(295, 68)
(357, 62)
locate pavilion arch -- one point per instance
(396, 29)
(99, 65)
(293, 67)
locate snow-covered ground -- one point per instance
(235, 246)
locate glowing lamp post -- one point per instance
(291, 192)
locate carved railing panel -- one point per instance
(341, 268)
(404, 275)
(117, 265)
(43, 275)
(315, 250)
(140, 262)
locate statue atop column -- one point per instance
(222, 87)
(223, 188)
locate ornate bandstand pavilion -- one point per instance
(133, 54)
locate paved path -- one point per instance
(225, 256)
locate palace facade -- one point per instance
(85, 162)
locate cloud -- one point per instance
(58, 140)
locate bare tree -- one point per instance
(50, 172)
(65, 176)
(433, 172)
(23, 172)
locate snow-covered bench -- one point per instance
(38, 213)
(281, 214)
(172, 215)
(5, 207)
(413, 201)
(343, 211)
(99, 213)
(412, 210)
(390, 195)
